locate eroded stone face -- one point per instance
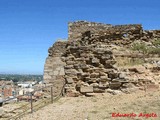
(54, 67)
(86, 63)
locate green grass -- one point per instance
(142, 47)
(156, 42)
(125, 61)
(154, 51)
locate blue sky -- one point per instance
(29, 27)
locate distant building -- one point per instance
(6, 89)
(40, 82)
(24, 91)
(24, 85)
(27, 84)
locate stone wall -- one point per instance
(54, 67)
(86, 63)
(120, 34)
(76, 28)
(87, 68)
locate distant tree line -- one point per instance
(19, 78)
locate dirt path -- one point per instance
(101, 107)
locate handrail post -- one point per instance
(51, 94)
(31, 102)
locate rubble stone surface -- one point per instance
(88, 62)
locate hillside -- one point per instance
(109, 69)
(101, 107)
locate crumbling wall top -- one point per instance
(76, 29)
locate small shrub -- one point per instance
(125, 61)
(141, 47)
(156, 42)
(154, 51)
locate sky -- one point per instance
(29, 27)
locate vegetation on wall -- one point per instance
(156, 42)
(142, 47)
(126, 61)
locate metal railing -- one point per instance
(31, 105)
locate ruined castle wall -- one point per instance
(54, 67)
(130, 31)
(120, 34)
(86, 62)
(76, 28)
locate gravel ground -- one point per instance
(101, 107)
